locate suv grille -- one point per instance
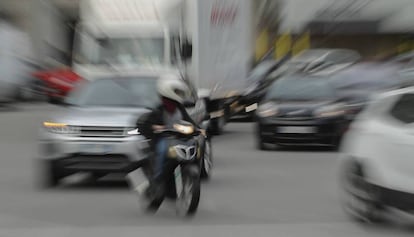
(86, 131)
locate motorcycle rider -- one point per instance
(173, 92)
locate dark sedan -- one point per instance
(260, 78)
(301, 110)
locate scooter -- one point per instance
(182, 172)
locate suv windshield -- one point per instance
(298, 88)
(118, 92)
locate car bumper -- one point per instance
(96, 163)
(384, 175)
(69, 153)
(326, 131)
(397, 199)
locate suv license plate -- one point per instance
(96, 148)
(297, 129)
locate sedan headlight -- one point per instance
(267, 110)
(61, 128)
(330, 111)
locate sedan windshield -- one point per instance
(295, 88)
(119, 92)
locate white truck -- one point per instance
(209, 41)
(16, 63)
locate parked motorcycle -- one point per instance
(182, 171)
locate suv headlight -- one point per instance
(330, 111)
(267, 109)
(61, 128)
(132, 131)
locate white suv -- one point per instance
(377, 166)
(90, 134)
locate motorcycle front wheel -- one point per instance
(189, 198)
(207, 161)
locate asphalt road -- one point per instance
(251, 193)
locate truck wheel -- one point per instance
(54, 100)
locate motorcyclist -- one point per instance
(173, 93)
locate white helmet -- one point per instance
(171, 87)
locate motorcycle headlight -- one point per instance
(267, 110)
(330, 111)
(184, 129)
(60, 128)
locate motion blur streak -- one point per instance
(308, 104)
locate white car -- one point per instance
(377, 158)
